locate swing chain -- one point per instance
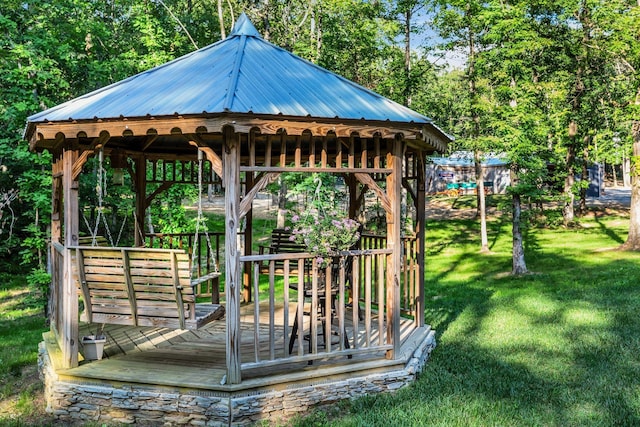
(200, 219)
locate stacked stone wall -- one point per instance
(120, 403)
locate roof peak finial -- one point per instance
(244, 27)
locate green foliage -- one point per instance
(325, 233)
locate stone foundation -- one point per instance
(127, 403)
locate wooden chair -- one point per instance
(281, 243)
(139, 287)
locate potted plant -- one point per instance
(93, 345)
(325, 235)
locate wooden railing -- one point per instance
(409, 271)
(57, 279)
(293, 313)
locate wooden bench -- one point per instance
(139, 287)
(90, 241)
(281, 243)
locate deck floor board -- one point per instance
(197, 359)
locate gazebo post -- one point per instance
(56, 237)
(394, 242)
(248, 239)
(140, 183)
(352, 186)
(233, 281)
(69, 310)
(420, 226)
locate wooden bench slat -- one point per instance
(138, 286)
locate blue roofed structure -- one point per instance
(237, 114)
(242, 74)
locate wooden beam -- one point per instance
(394, 242)
(69, 294)
(83, 283)
(96, 144)
(131, 292)
(56, 239)
(178, 292)
(231, 159)
(259, 185)
(142, 203)
(352, 186)
(420, 235)
(150, 140)
(160, 189)
(44, 134)
(406, 183)
(248, 239)
(313, 169)
(216, 161)
(385, 200)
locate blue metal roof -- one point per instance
(465, 159)
(240, 74)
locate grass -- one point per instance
(556, 347)
(21, 325)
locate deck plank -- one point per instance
(197, 359)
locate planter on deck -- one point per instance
(93, 346)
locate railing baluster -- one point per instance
(381, 302)
(256, 313)
(367, 299)
(285, 309)
(355, 305)
(300, 307)
(272, 266)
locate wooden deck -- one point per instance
(196, 359)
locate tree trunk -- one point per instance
(579, 90)
(223, 34)
(407, 57)
(482, 209)
(567, 211)
(584, 176)
(633, 239)
(518, 262)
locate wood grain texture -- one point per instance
(139, 287)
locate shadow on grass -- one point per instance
(598, 216)
(554, 348)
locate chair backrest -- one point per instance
(134, 286)
(281, 242)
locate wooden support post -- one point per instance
(248, 238)
(420, 235)
(231, 164)
(56, 237)
(140, 183)
(69, 296)
(394, 242)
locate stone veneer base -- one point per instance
(128, 403)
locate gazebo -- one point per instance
(278, 341)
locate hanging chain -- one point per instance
(200, 219)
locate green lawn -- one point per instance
(557, 347)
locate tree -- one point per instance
(519, 68)
(462, 24)
(625, 44)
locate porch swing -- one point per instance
(140, 286)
